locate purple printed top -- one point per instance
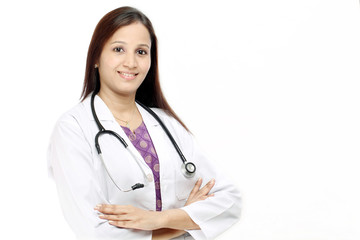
(143, 143)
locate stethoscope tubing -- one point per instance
(181, 155)
(104, 131)
(188, 168)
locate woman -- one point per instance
(96, 190)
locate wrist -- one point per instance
(176, 219)
(166, 233)
(162, 219)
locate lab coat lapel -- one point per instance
(149, 120)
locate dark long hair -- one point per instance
(149, 93)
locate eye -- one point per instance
(118, 49)
(141, 52)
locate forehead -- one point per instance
(135, 34)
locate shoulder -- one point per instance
(165, 116)
(161, 113)
(79, 113)
(73, 114)
(171, 123)
(72, 120)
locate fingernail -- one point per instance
(212, 181)
(97, 207)
(111, 222)
(199, 179)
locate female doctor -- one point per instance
(133, 184)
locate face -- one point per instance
(125, 60)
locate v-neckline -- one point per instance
(129, 130)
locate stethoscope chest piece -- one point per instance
(188, 169)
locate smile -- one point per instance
(127, 75)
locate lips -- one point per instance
(127, 75)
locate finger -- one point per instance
(206, 196)
(126, 224)
(196, 187)
(114, 217)
(206, 189)
(111, 209)
(121, 224)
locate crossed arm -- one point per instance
(165, 225)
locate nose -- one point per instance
(130, 61)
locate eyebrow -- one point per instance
(142, 44)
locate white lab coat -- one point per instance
(82, 181)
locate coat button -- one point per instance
(150, 177)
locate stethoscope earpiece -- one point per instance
(188, 169)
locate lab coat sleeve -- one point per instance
(70, 164)
(215, 214)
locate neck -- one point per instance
(120, 106)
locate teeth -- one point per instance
(127, 74)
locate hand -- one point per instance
(129, 217)
(198, 194)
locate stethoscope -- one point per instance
(187, 168)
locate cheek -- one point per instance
(110, 62)
(145, 65)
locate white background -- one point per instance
(275, 83)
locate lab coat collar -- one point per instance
(104, 113)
